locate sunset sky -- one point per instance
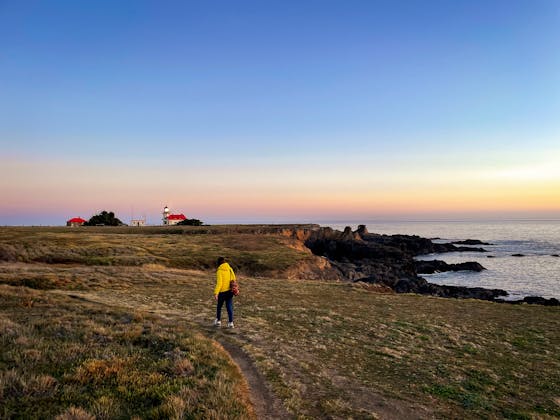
(252, 111)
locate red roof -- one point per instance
(76, 220)
(176, 217)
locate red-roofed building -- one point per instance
(172, 219)
(74, 222)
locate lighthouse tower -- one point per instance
(165, 215)
(172, 219)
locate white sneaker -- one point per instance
(230, 324)
(217, 322)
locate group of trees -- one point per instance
(190, 222)
(106, 218)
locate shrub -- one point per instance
(105, 219)
(191, 222)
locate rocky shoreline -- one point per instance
(389, 261)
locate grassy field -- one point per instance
(178, 247)
(101, 337)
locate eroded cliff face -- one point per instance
(314, 268)
(347, 255)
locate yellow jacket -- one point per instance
(224, 275)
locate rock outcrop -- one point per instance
(386, 258)
(533, 300)
(387, 261)
(438, 266)
(471, 242)
(537, 300)
(421, 286)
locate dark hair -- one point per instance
(221, 260)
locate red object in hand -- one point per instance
(234, 288)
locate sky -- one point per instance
(279, 111)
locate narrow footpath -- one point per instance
(266, 405)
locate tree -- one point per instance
(190, 222)
(104, 219)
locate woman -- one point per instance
(222, 291)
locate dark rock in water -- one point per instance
(532, 300)
(430, 267)
(537, 300)
(441, 248)
(461, 292)
(490, 256)
(517, 255)
(470, 242)
(412, 244)
(555, 255)
(465, 249)
(469, 265)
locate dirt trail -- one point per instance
(265, 403)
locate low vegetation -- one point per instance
(191, 222)
(327, 349)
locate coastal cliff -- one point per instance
(389, 261)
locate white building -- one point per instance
(172, 219)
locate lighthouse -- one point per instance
(171, 219)
(165, 215)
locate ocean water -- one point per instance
(535, 274)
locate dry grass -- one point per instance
(332, 349)
(329, 350)
(198, 249)
(70, 359)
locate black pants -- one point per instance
(226, 297)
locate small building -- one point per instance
(172, 219)
(138, 222)
(75, 222)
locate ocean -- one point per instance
(537, 273)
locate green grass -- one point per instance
(328, 349)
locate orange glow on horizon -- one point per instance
(76, 189)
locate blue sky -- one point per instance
(274, 84)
